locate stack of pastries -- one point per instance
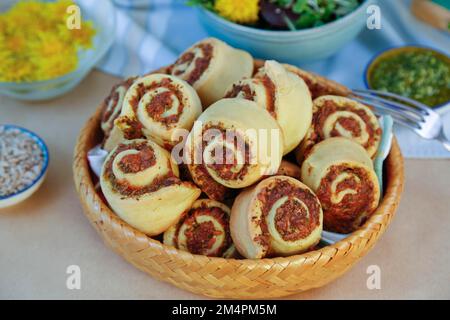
(203, 154)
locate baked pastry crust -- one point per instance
(158, 107)
(235, 144)
(280, 216)
(204, 229)
(335, 116)
(285, 95)
(111, 109)
(289, 169)
(341, 174)
(318, 85)
(140, 182)
(211, 66)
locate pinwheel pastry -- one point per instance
(280, 216)
(284, 95)
(289, 169)
(318, 85)
(211, 66)
(336, 116)
(204, 229)
(341, 174)
(233, 144)
(140, 182)
(112, 106)
(159, 107)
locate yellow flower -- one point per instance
(49, 46)
(15, 43)
(84, 35)
(35, 43)
(240, 11)
(22, 72)
(60, 64)
(60, 8)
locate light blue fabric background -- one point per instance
(153, 36)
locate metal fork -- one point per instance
(407, 112)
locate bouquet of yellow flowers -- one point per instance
(36, 43)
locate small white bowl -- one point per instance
(21, 195)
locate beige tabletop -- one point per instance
(41, 237)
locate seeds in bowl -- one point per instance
(21, 160)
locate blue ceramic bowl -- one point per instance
(102, 13)
(21, 195)
(288, 46)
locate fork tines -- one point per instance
(406, 111)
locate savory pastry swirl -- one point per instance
(233, 144)
(289, 169)
(318, 85)
(112, 106)
(284, 95)
(341, 174)
(140, 182)
(279, 216)
(204, 229)
(156, 107)
(211, 66)
(342, 117)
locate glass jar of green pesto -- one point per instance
(418, 73)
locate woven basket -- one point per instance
(230, 278)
